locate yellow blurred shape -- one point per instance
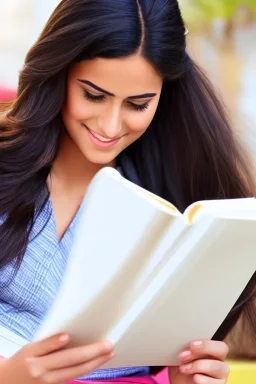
(242, 372)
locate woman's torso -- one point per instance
(26, 297)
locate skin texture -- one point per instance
(43, 362)
(203, 362)
(114, 116)
(79, 158)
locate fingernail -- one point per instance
(186, 368)
(197, 344)
(64, 338)
(108, 345)
(113, 354)
(185, 355)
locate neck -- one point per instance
(71, 170)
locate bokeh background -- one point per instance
(222, 38)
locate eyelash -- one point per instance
(93, 98)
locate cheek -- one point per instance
(76, 107)
(139, 121)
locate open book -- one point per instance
(148, 278)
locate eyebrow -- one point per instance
(143, 96)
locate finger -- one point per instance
(72, 373)
(46, 346)
(215, 349)
(212, 368)
(204, 349)
(202, 379)
(75, 356)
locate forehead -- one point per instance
(122, 76)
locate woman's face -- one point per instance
(110, 104)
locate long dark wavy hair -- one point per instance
(188, 153)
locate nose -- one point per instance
(110, 122)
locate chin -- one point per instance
(103, 159)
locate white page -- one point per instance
(190, 297)
(231, 208)
(109, 261)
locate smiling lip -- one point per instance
(98, 142)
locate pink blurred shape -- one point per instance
(7, 94)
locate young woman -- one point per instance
(108, 83)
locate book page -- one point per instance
(191, 296)
(229, 208)
(115, 253)
(173, 210)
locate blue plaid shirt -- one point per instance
(26, 300)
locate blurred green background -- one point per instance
(222, 38)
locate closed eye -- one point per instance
(139, 107)
(91, 97)
(98, 98)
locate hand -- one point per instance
(47, 362)
(202, 363)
